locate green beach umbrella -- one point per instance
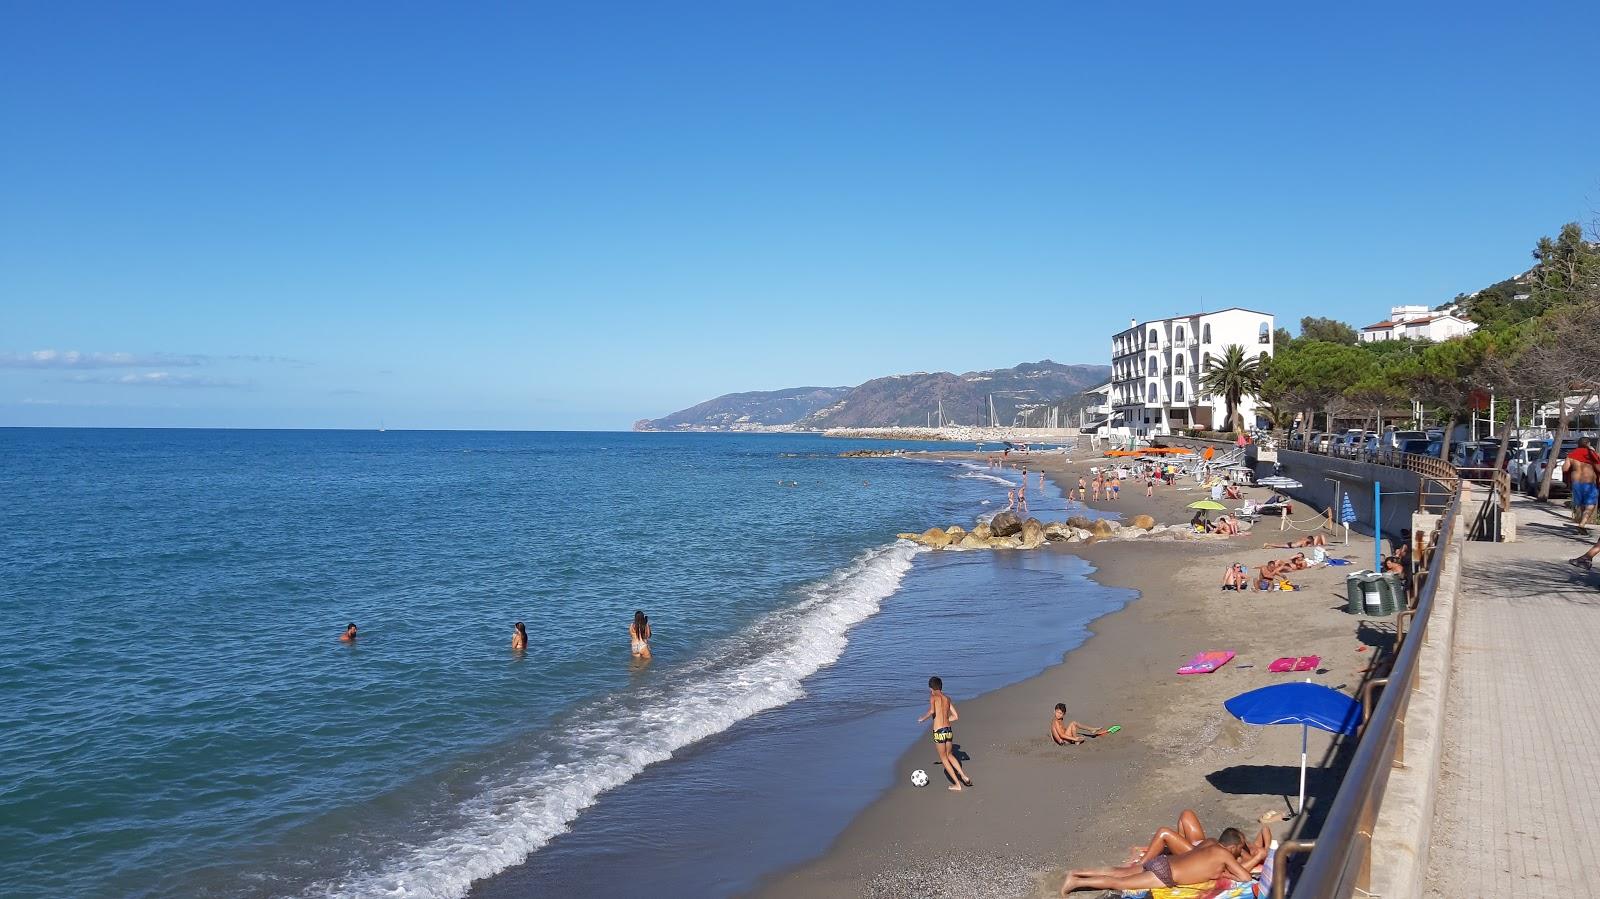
(1209, 505)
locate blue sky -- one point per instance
(526, 216)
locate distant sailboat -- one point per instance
(381, 428)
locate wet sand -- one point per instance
(1037, 808)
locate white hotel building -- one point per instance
(1156, 369)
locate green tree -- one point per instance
(1328, 330)
(1312, 376)
(1233, 376)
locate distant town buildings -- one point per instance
(1418, 323)
(1157, 366)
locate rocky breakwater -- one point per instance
(1006, 531)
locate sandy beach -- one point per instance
(1039, 809)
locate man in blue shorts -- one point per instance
(1579, 471)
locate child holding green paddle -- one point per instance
(1063, 731)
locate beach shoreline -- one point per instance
(1038, 809)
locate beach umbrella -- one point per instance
(1306, 704)
(1210, 505)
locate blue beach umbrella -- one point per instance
(1306, 704)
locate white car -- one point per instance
(1522, 459)
(1534, 472)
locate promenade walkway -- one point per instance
(1518, 805)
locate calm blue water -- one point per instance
(179, 717)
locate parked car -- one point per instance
(1415, 446)
(1390, 443)
(1534, 472)
(1475, 460)
(1520, 458)
(1321, 441)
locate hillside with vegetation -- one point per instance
(1022, 393)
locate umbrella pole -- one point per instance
(1301, 810)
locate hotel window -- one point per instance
(1177, 391)
(1177, 336)
(1265, 334)
(1152, 393)
(1205, 334)
(1154, 337)
(1177, 365)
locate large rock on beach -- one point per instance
(955, 532)
(936, 538)
(1032, 534)
(1143, 522)
(1005, 524)
(982, 531)
(1102, 528)
(1004, 543)
(1080, 522)
(973, 541)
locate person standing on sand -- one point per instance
(1116, 488)
(1149, 484)
(639, 635)
(943, 712)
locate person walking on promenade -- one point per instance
(1580, 470)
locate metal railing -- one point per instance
(1340, 864)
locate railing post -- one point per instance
(1280, 873)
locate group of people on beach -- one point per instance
(1181, 855)
(1107, 483)
(638, 635)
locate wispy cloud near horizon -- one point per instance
(162, 379)
(75, 359)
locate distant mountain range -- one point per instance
(897, 400)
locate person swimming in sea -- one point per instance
(349, 635)
(639, 635)
(519, 637)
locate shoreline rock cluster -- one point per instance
(1006, 531)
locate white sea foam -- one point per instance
(606, 745)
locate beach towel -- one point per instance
(1207, 662)
(1222, 889)
(1338, 561)
(1294, 663)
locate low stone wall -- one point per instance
(1325, 480)
(1403, 833)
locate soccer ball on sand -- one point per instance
(919, 778)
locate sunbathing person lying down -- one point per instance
(1230, 856)
(1188, 835)
(1302, 543)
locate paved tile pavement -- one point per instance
(1518, 806)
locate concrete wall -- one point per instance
(1318, 474)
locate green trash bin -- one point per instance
(1355, 591)
(1392, 593)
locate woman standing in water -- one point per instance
(519, 638)
(639, 634)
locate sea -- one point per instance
(179, 718)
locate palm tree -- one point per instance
(1233, 376)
